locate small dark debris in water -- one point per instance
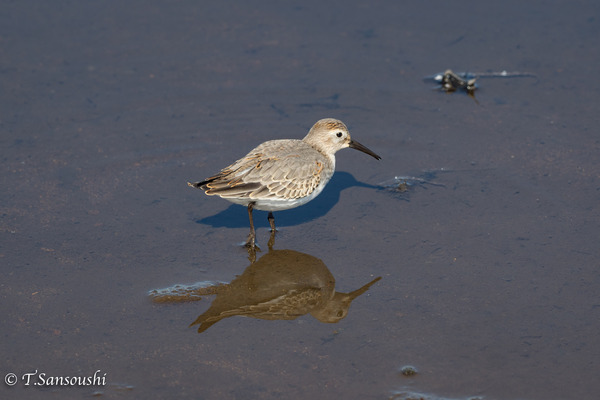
(408, 370)
(404, 185)
(450, 81)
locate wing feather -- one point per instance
(274, 169)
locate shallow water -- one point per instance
(489, 271)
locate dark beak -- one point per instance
(355, 145)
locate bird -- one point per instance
(282, 174)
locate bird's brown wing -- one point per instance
(283, 174)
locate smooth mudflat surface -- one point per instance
(489, 262)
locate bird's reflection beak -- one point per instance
(355, 145)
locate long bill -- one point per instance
(355, 145)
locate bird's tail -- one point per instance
(197, 185)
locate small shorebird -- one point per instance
(283, 174)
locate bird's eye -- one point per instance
(339, 134)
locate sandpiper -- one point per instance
(283, 174)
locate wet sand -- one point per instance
(489, 261)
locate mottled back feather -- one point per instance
(276, 169)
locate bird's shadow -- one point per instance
(236, 216)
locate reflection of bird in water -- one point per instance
(283, 284)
